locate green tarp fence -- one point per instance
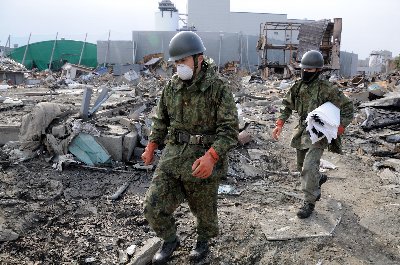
(38, 54)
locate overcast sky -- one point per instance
(367, 24)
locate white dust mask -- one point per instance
(184, 72)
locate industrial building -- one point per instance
(235, 36)
(215, 16)
(248, 40)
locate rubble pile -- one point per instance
(9, 65)
(72, 181)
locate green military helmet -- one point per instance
(312, 59)
(183, 44)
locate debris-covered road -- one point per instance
(68, 216)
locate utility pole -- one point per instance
(108, 47)
(83, 47)
(52, 52)
(26, 49)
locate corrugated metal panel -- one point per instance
(215, 16)
(115, 52)
(223, 47)
(310, 36)
(348, 64)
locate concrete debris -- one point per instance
(245, 137)
(12, 101)
(131, 250)
(228, 189)
(9, 65)
(280, 224)
(145, 254)
(90, 260)
(63, 160)
(72, 71)
(68, 140)
(326, 164)
(132, 77)
(7, 235)
(4, 86)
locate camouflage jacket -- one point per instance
(202, 107)
(304, 98)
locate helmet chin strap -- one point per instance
(195, 67)
(196, 62)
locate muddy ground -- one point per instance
(68, 218)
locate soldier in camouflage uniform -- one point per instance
(197, 119)
(303, 97)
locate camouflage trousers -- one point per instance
(308, 161)
(167, 192)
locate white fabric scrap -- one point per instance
(326, 164)
(329, 115)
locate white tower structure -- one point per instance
(167, 19)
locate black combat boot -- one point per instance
(199, 251)
(322, 180)
(305, 210)
(164, 252)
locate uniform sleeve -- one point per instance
(227, 123)
(288, 104)
(344, 104)
(160, 120)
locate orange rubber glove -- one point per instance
(340, 130)
(278, 129)
(148, 153)
(203, 167)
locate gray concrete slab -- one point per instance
(8, 133)
(129, 144)
(283, 224)
(146, 253)
(113, 145)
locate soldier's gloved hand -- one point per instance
(340, 130)
(148, 153)
(278, 129)
(203, 167)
